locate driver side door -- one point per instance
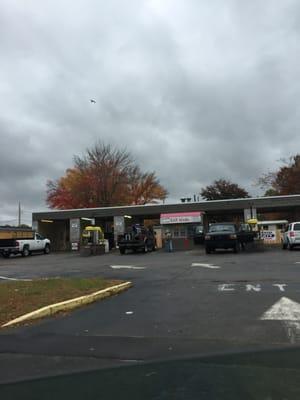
(39, 242)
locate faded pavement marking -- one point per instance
(231, 287)
(212, 266)
(126, 267)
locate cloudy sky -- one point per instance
(196, 90)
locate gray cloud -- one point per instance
(196, 91)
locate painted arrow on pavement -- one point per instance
(288, 312)
(212, 266)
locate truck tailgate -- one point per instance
(7, 243)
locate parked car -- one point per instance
(137, 238)
(24, 242)
(226, 235)
(291, 236)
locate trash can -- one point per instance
(106, 245)
(97, 249)
(85, 251)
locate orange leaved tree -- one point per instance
(105, 176)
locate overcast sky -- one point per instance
(196, 90)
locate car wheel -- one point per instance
(47, 249)
(122, 250)
(6, 255)
(237, 248)
(25, 252)
(207, 250)
(283, 245)
(290, 246)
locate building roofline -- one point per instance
(154, 210)
(244, 199)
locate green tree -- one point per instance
(223, 189)
(271, 192)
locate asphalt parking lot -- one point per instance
(182, 304)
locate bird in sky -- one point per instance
(93, 101)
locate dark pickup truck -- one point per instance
(226, 235)
(137, 238)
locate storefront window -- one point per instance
(179, 232)
(191, 230)
(176, 232)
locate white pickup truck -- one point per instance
(24, 246)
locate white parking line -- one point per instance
(212, 266)
(126, 267)
(6, 278)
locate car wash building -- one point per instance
(64, 227)
(181, 227)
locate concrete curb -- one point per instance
(70, 304)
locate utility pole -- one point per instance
(19, 214)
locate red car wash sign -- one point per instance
(180, 218)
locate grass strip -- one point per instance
(20, 297)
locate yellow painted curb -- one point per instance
(70, 304)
